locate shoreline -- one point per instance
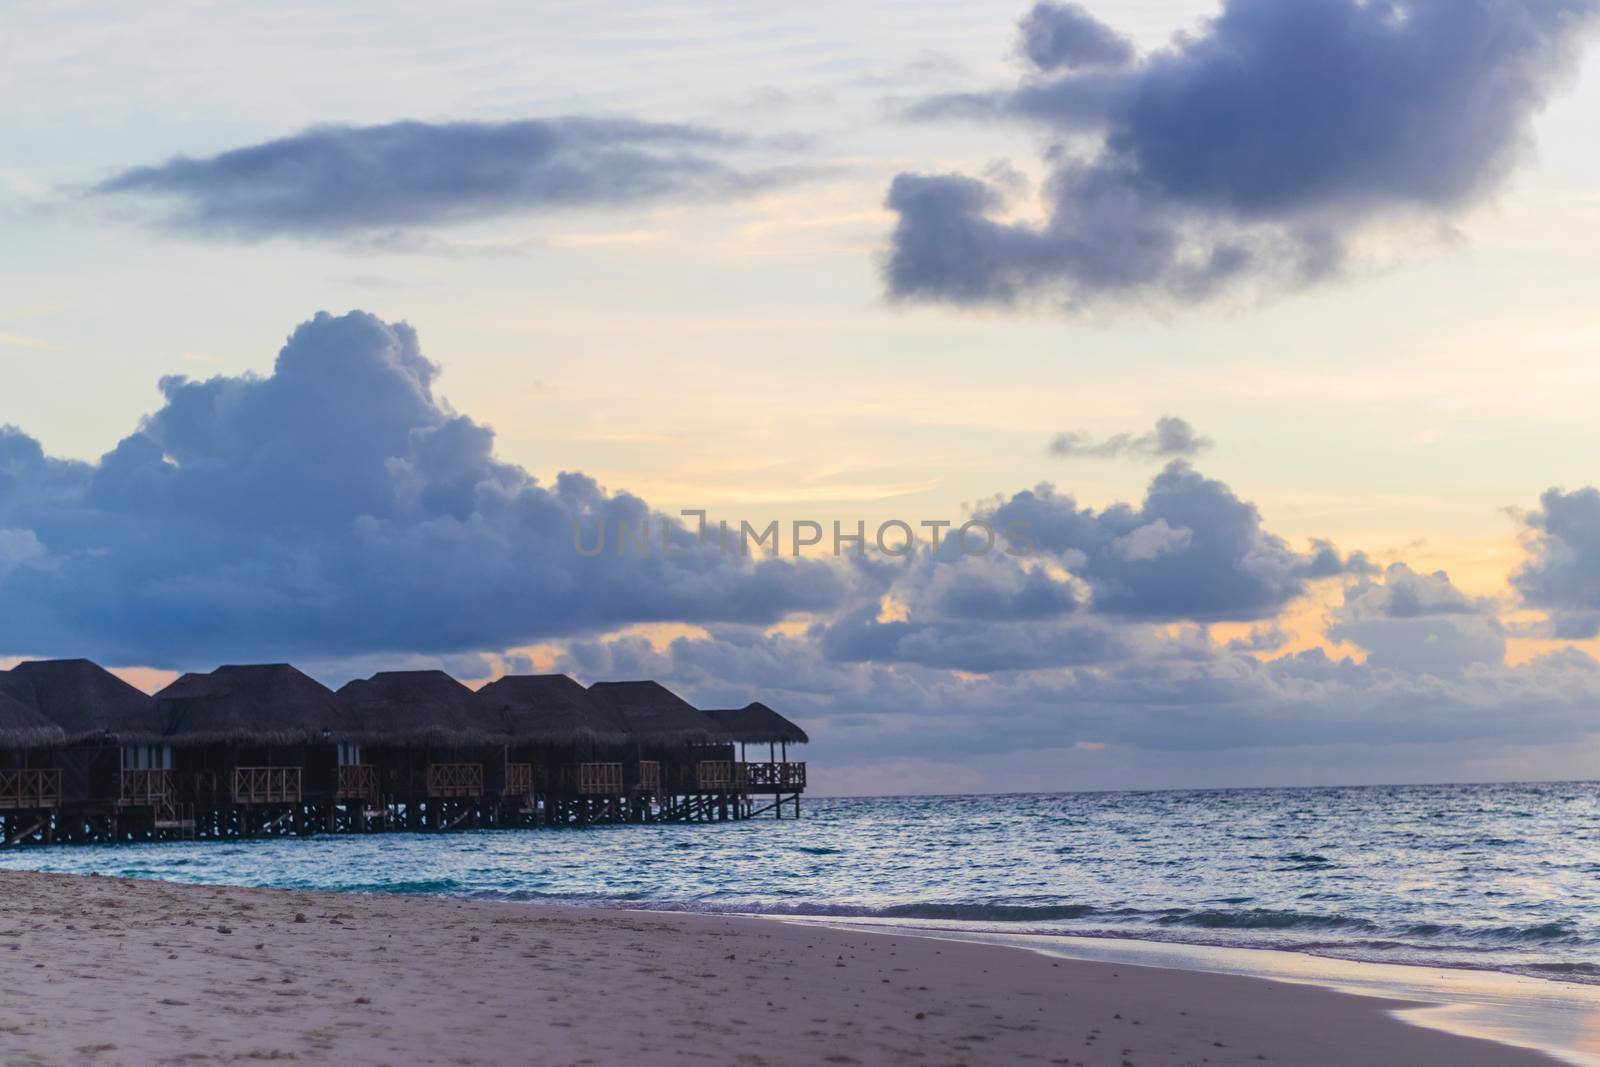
(1546, 1014)
(111, 971)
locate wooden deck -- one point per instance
(268, 785)
(273, 801)
(455, 780)
(147, 789)
(718, 776)
(775, 777)
(519, 780)
(30, 790)
(599, 779)
(357, 782)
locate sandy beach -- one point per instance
(107, 971)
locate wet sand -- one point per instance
(107, 971)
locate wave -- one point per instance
(959, 911)
(1304, 857)
(966, 912)
(1451, 877)
(425, 887)
(1565, 970)
(1545, 933)
(1265, 919)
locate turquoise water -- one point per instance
(1503, 877)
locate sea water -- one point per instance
(1497, 877)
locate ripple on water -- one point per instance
(1498, 876)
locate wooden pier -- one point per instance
(265, 751)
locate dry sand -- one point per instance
(104, 971)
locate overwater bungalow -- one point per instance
(254, 748)
(30, 780)
(74, 787)
(779, 777)
(569, 747)
(250, 750)
(690, 755)
(419, 741)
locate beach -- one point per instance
(110, 971)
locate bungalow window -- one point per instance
(349, 755)
(147, 757)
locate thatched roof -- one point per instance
(21, 725)
(85, 701)
(16, 687)
(55, 702)
(550, 709)
(416, 707)
(759, 724)
(655, 713)
(262, 704)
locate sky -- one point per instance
(1260, 336)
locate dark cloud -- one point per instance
(342, 180)
(339, 512)
(993, 587)
(971, 645)
(911, 676)
(1078, 587)
(1252, 149)
(1190, 550)
(1561, 576)
(1066, 37)
(1268, 637)
(1407, 594)
(334, 508)
(1172, 698)
(1419, 623)
(1171, 437)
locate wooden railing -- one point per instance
(603, 779)
(780, 776)
(147, 789)
(455, 780)
(357, 781)
(266, 785)
(519, 779)
(30, 789)
(719, 776)
(649, 776)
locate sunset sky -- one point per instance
(838, 262)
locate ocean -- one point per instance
(1490, 877)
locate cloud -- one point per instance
(1066, 37)
(1073, 586)
(938, 659)
(1267, 637)
(18, 547)
(990, 588)
(1561, 576)
(331, 181)
(1171, 437)
(339, 512)
(1419, 623)
(1252, 150)
(983, 647)
(1191, 550)
(334, 508)
(1176, 697)
(1151, 541)
(1406, 594)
